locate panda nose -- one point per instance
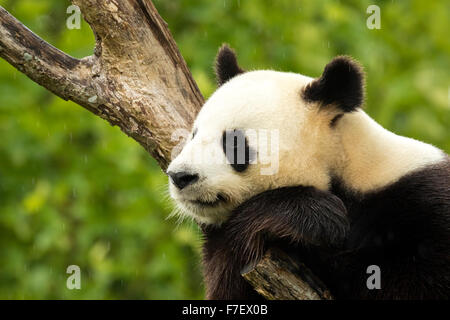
(182, 179)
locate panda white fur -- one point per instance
(346, 194)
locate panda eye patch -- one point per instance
(236, 149)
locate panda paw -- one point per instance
(300, 215)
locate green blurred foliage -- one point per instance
(74, 190)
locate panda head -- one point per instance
(262, 130)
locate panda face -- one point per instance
(254, 133)
(263, 130)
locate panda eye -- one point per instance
(236, 149)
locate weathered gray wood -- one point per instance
(279, 277)
(137, 80)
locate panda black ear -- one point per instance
(341, 84)
(226, 65)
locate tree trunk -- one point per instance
(137, 80)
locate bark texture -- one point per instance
(138, 80)
(279, 277)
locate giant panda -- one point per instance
(346, 193)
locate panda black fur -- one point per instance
(384, 204)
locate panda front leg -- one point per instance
(222, 267)
(301, 215)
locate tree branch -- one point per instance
(51, 68)
(138, 80)
(279, 277)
